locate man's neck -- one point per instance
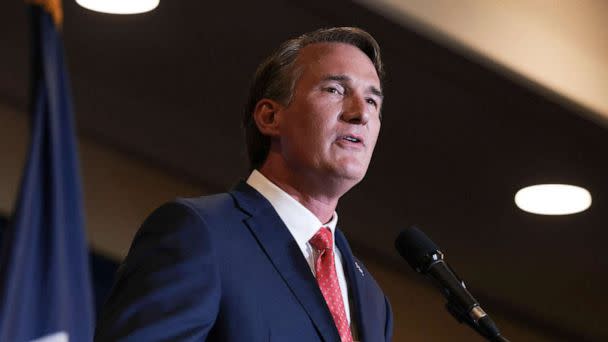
(321, 204)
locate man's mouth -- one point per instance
(352, 138)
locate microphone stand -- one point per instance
(484, 326)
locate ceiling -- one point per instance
(459, 137)
(557, 46)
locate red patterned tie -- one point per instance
(328, 281)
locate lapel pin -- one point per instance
(359, 268)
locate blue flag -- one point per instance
(45, 282)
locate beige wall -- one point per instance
(119, 192)
(560, 45)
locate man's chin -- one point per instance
(351, 173)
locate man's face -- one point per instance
(330, 128)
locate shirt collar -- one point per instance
(300, 221)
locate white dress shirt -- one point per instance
(302, 225)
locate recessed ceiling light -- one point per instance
(553, 199)
(119, 6)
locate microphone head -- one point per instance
(417, 249)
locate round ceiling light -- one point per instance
(553, 199)
(119, 6)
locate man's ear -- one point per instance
(265, 117)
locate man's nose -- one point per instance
(356, 110)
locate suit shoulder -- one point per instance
(209, 205)
(183, 218)
(217, 211)
(207, 201)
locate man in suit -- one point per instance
(265, 261)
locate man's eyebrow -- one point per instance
(338, 78)
(376, 92)
(345, 79)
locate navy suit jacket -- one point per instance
(226, 268)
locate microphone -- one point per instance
(425, 257)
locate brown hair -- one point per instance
(276, 76)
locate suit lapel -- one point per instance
(355, 275)
(285, 255)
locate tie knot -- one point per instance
(322, 239)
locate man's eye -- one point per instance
(332, 90)
(372, 102)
